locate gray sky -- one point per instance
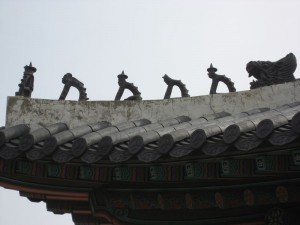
(95, 40)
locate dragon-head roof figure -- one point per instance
(268, 73)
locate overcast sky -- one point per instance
(95, 40)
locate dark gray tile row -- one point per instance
(147, 142)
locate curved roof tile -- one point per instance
(142, 140)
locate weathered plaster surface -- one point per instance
(41, 112)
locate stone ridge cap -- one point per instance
(171, 99)
(35, 112)
(115, 101)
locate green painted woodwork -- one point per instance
(122, 174)
(296, 157)
(54, 170)
(230, 167)
(86, 173)
(193, 170)
(157, 173)
(264, 163)
(24, 167)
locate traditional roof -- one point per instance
(143, 141)
(174, 161)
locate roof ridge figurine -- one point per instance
(171, 82)
(216, 78)
(268, 73)
(69, 82)
(27, 82)
(123, 84)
